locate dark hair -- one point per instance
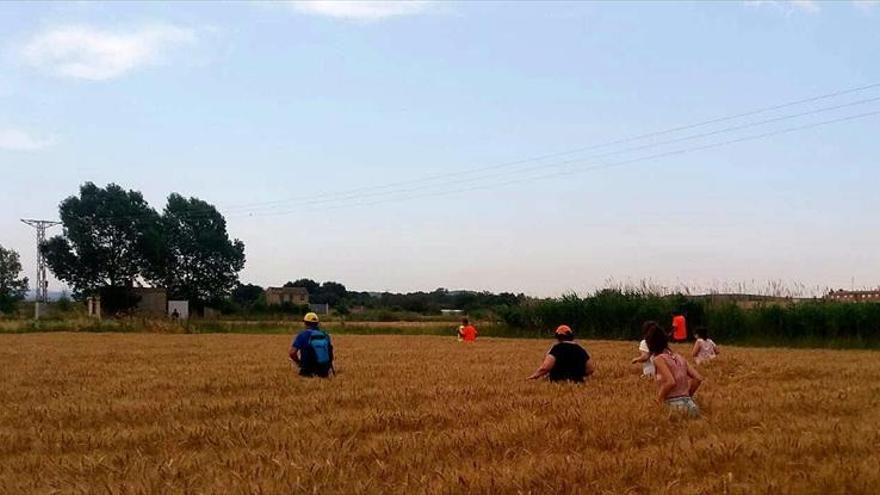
(648, 326)
(657, 340)
(702, 332)
(565, 337)
(464, 321)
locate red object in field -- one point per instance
(468, 333)
(679, 328)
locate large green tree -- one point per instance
(330, 293)
(197, 260)
(109, 237)
(247, 296)
(307, 284)
(12, 288)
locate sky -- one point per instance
(490, 146)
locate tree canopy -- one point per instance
(247, 296)
(340, 298)
(109, 235)
(113, 239)
(331, 293)
(306, 283)
(320, 293)
(12, 288)
(197, 260)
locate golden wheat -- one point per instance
(113, 413)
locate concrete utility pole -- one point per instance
(41, 294)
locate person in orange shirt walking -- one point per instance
(679, 328)
(467, 332)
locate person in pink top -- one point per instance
(705, 349)
(677, 380)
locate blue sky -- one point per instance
(297, 119)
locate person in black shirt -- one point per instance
(567, 360)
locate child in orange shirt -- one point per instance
(467, 332)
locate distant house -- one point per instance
(854, 295)
(320, 308)
(276, 296)
(152, 301)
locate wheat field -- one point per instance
(121, 413)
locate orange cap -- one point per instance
(563, 330)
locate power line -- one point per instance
(345, 193)
(600, 155)
(473, 175)
(600, 166)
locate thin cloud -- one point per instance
(810, 6)
(788, 6)
(86, 52)
(866, 5)
(361, 10)
(18, 140)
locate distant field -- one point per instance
(422, 327)
(140, 413)
(355, 327)
(233, 326)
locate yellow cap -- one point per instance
(311, 318)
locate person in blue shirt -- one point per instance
(312, 349)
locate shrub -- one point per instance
(615, 314)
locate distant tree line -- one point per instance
(113, 240)
(250, 297)
(433, 302)
(619, 314)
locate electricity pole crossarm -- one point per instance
(41, 294)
